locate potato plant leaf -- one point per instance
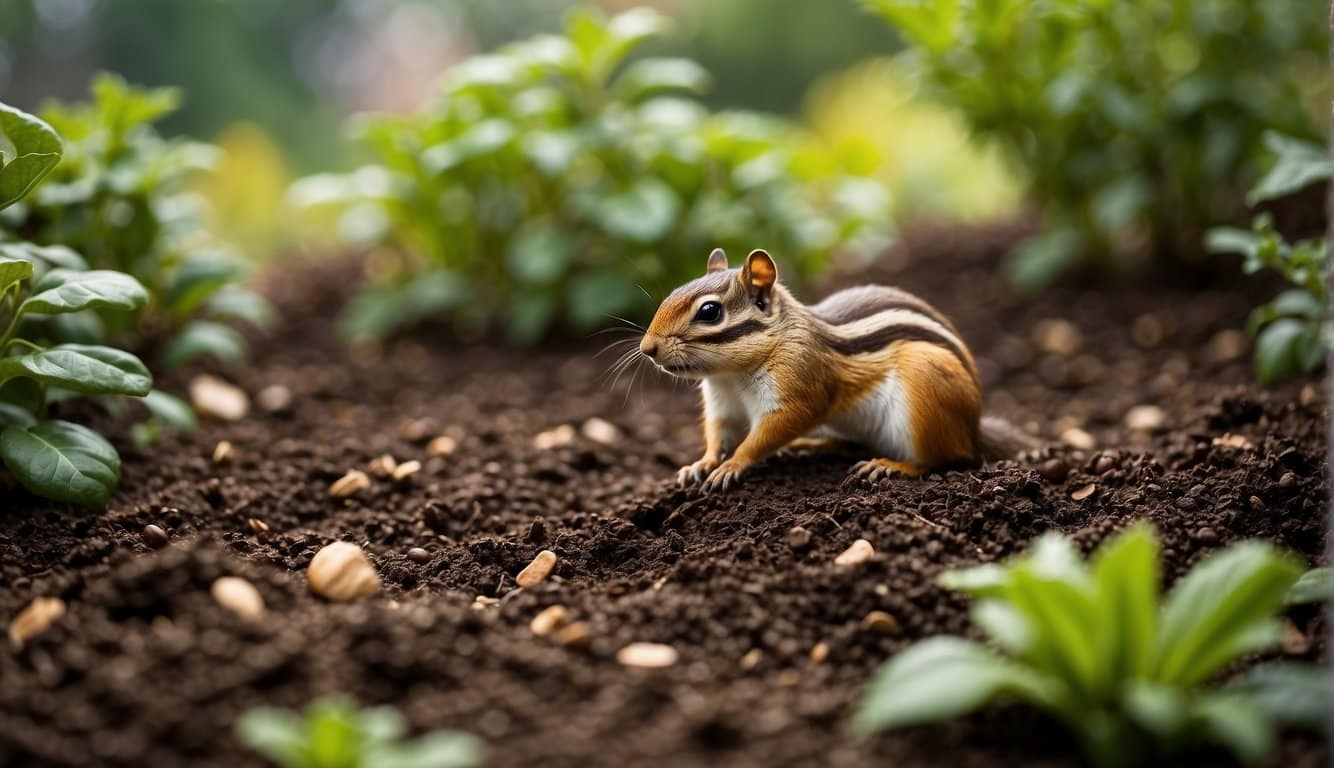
(63, 290)
(37, 150)
(89, 370)
(62, 461)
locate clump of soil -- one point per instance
(771, 636)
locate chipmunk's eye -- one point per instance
(710, 312)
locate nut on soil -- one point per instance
(537, 571)
(340, 571)
(647, 655)
(238, 596)
(354, 482)
(32, 621)
(860, 551)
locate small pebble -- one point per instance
(1233, 442)
(223, 452)
(441, 446)
(1078, 438)
(216, 399)
(154, 536)
(881, 623)
(574, 635)
(537, 571)
(1207, 536)
(860, 551)
(341, 571)
(1145, 418)
(416, 430)
(238, 596)
(257, 525)
(1288, 480)
(1309, 395)
(554, 438)
(1227, 346)
(549, 620)
(274, 398)
(647, 655)
(600, 431)
(752, 659)
(819, 652)
(1057, 336)
(419, 555)
(798, 539)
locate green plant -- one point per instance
(39, 286)
(1138, 121)
(1090, 645)
(1292, 333)
(120, 200)
(333, 733)
(555, 183)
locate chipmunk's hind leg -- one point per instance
(881, 470)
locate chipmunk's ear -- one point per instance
(717, 261)
(759, 276)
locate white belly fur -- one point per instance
(880, 421)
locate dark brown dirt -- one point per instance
(146, 670)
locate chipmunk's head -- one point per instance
(723, 322)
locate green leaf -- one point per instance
(62, 461)
(1314, 586)
(1278, 348)
(12, 414)
(1291, 694)
(171, 410)
(1221, 611)
(1040, 260)
(539, 253)
(439, 749)
(201, 338)
(13, 271)
(644, 213)
(233, 302)
(44, 257)
(37, 148)
(648, 77)
(943, 678)
(1233, 240)
(90, 370)
(196, 280)
(275, 733)
(63, 290)
(1300, 164)
(1126, 572)
(595, 295)
(380, 311)
(1236, 722)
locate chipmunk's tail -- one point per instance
(1000, 439)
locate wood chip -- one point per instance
(354, 482)
(341, 571)
(647, 655)
(1145, 418)
(1234, 442)
(600, 431)
(223, 452)
(383, 465)
(576, 634)
(554, 438)
(1083, 493)
(406, 470)
(550, 619)
(752, 659)
(819, 652)
(216, 399)
(1078, 438)
(881, 623)
(537, 571)
(32, 621)
(238, 596)
(860, 551)
(441, 446)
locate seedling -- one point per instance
(1090, 644)
(333, 733)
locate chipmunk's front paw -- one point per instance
(877, 471)
(694, 474)
(725, 476)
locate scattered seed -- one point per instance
(154, 536)
(1145, 418)
(417, 430)
(600, 431)
(1106, 463)
(1059, 337)
(340, 571)
(1083, 493)
(406, 470)
(257, 525)
(482, 601)
(274, 398)
(798, 538)
(1226, 346)
(647, 655)
(1078, 438)
(441, 446)
(223, 452)
(419, 555)
(860, 551)
(576, 634)
(383, 465)
(1234, 442)
(554, 438)
(35, 619)
(752, 659)
(354, 482)
(1309, 395)
(1054, 470)
(216, 399)
(881, 623)
(538, 570)
(549, 620)
(819, 652)
(238, 596)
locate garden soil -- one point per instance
(775, 649)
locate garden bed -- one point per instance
(145, 669)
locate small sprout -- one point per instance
(333, 733)
(537, 571)
(341, 572)
(32, 621)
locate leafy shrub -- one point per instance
(1292, 335)
(1138, 122)
(39, 286)
(553, 180)
(119, 199)
(1090, 645)
(334, 734)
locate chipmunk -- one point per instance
(872, 365)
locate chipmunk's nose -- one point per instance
(649, 346)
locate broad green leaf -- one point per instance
(644, 213)
(1291, 694)
(1314, 586)
(1278, 348)
(1065, 621)
(986, 580)
(1232, 240)
(275, 733)
(648, 77)
(195, 281)
(1236, 722)
(63, 290)
(1126, 572)
(1006, 625)
(594, 296)
(380, 725)
(37, 148)
(201, 338)
(943, 678)
(439, 749)
(1159, 709)
(13, 271)
(62, 461)
(90, 370)
(11, 414)
(380, 311)
(171, 410)
(539, 253)
(85, 327)
(530, 315)
(233, 302)
(1039, 260)
(44, 258)
(1300, 164)
(1221, 610)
